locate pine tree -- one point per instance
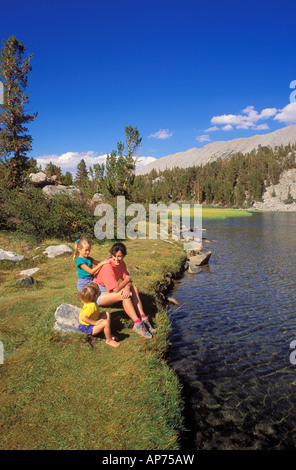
(52, 170)
(66, 179)
(82, 173)
(15, 142)
(120, 168)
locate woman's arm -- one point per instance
(127, 282)
(96, 268)
(89, 321)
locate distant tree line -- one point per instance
(237, 181)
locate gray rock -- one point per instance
(56, 250)
(67, 318)
(193, 245)
(98, 198)
(172, 300)
(200, 259)
(71, 191)
(10, 255)
(28, 272)
(192, 269)
(29, 281)
(39, 180)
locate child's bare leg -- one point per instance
(98, 328)
(107, 332)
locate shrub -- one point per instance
(31, 212)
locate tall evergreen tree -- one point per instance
(66, 179)
(15, 142)
(82, 173)
(120, 164)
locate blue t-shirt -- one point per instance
(81, 272)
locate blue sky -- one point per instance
(186, 73)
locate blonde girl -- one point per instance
(86, 265)
(91, 320)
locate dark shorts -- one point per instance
(86, 328)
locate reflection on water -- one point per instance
(231, 336)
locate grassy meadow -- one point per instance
(62, 392)
(223, 213)
(207, 212)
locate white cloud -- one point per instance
(262, 127)
(68, 161)
(287, 114)
(248, 118)
(211, 129)
(143, 161)
(203, 138)
(162, 134)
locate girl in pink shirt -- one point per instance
(113, 291)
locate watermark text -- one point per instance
(176, 221)
(293, 94)
(293, 353)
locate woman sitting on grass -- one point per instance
(114, 291)
(91, 320)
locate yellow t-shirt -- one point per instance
(90, 310)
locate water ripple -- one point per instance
(231, 335)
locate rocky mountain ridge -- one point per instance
(221, 149)
(281, 196)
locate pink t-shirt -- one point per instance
(109, 275)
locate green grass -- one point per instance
(61, 392)
(208, 213)
(223, 213)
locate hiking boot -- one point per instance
(149, 326)
(140, 328)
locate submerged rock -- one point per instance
(192, 269)
(172, 300)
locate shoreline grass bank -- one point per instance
(61, 392)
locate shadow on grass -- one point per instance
(120, 320)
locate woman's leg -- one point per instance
(139, 308)
(137, 301)
(109, 298)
